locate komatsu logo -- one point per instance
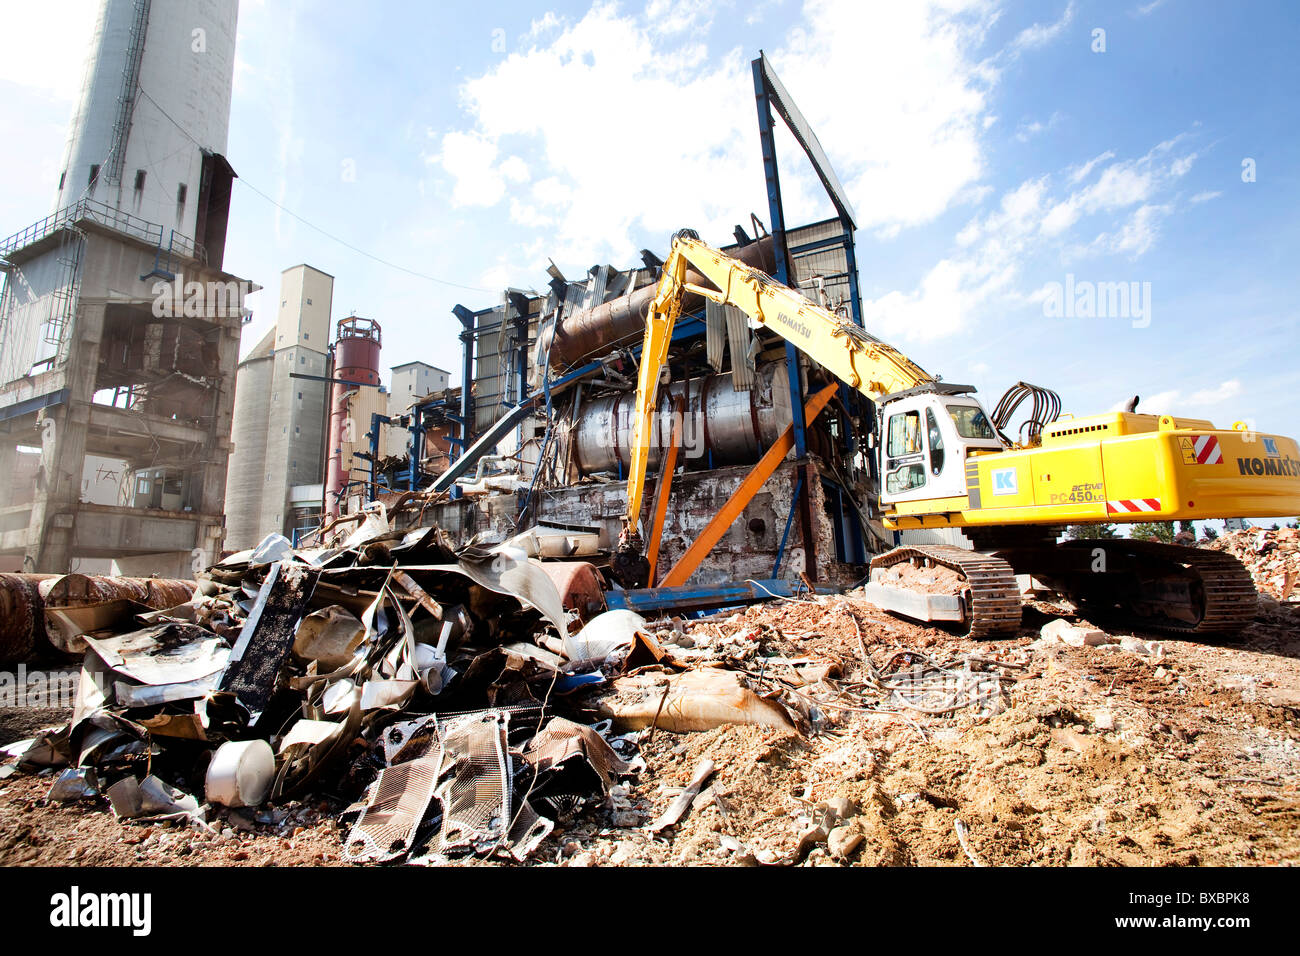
(794, 325)
(1283, 467)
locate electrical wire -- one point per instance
(311, 225)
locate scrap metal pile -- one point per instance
(443, 697)
(382, 668)
(443, 700)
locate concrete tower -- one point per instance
(119, 331)
(279, 421)
(411, 382)
(150, 129)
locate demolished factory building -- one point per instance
(541, 438)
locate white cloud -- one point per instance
(667, 17)
(1041, 34)
(469, 157)
(1205, 196)
(1214, 396)
(514, 169)
(992, 249)
(1079, 173)
(1137, 235)
(1028, 130)
(44, 46)
(1206, 401)
(684, 152)
(1120, 185)
(755, 12)
(1060, 217)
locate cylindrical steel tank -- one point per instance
(24, 599)
(356, 359)
(580, 586)
(622, 320)
(734, 427)
(157, 86)
(85, 590)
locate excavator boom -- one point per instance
(842, 348)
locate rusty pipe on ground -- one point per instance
(419, 593)
(24, 599)
(22, 615)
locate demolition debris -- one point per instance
(385, 697)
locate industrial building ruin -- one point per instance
(539, 434)
(119, 329)
(734, 389)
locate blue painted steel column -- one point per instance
(466, 382)
(774, 211)
(851, 263)
(376, 420)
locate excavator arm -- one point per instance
(842, 348)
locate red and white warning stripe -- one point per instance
(1132, 505)
(1207, 450)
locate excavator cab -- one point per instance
(927, 435)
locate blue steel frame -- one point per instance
(776, 214)
(849, 543)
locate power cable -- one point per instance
(311, 225)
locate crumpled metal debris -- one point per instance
(688, 701)
(435, 688)
(569, 758)
(151, 799)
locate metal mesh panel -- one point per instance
(411, 740)
(742, 353)
(474, 781)
(399, 801)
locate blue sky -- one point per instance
(990, 150)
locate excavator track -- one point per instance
(1170, 588)
(992, 597)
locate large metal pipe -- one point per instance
(733, 427)
(24, 599)
(22, 615)
(596, 330)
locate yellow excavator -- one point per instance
(943, 464)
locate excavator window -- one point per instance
(970, 421)
(936, 442)
(905, 434)
(904, 441)
(905, 479)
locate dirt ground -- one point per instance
(1103, 756)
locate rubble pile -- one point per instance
(1271, 556)
(386, 696)
(384, 669)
